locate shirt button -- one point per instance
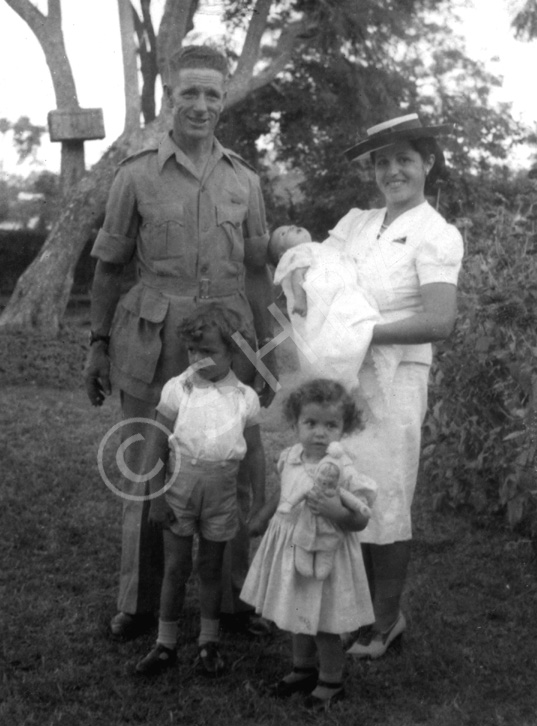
(204, 269)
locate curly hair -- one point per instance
(323, 391)
(213, 316)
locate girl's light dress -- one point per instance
(298, 604)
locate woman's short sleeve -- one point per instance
(168, 405)
(360, 485)
(439, 257)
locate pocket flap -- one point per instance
(233, 213)
(146, 303)
(153, 306)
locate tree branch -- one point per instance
(55, 11)
(139, 30)
(30, 14)
(286, 46)
(250, 49)
(175, 24)
(148, 25)
(130, 71)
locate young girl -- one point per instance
(213, 417)
(315, 611)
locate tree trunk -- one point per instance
(42, 292)
(73, 166)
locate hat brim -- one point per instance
(387, 138)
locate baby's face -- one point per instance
(283, 238)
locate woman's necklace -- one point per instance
(383, 227)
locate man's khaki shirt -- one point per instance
(191, 238)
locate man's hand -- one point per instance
(97, 374)
(262, 387)
(160, 512)
(261, 515)
(257, 524)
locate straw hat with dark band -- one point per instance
(389, 132)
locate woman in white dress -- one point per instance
(408, 258)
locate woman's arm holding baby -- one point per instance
(300, 305)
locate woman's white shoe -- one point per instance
(374, 644)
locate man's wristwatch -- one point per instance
(261, 343)
(95, 337)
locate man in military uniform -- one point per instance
(191, 214)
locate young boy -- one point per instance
(214, 420)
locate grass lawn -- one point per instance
(469, 657)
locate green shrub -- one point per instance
(480, 436)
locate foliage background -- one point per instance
(480, 435)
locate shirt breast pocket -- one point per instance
(162, 230)
(229, 219)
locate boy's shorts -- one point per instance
(203, 499)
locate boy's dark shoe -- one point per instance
(210, 660)
(157, 661)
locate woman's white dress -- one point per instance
(417, 249)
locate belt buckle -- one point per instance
(204, 287)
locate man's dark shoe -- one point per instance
(157, 661)
(247, 623)
(124, 626)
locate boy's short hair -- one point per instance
(216, 316)
(198, 56)
(323, 391)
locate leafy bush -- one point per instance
(480, 437)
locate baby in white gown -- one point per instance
(331, 314)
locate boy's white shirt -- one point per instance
(209, 417)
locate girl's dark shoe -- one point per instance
(284, 689)
(315, 703)
(158, 660)
(210, 660)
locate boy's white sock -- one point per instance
(168, 631)
(209, 631)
